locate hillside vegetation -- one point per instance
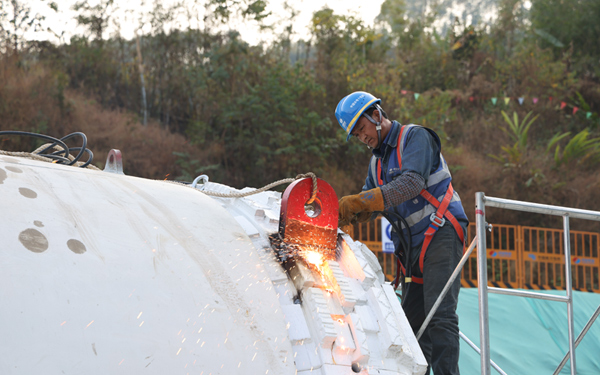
(515, 102)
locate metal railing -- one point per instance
(481, 202)
(510, 269)
(520, 257)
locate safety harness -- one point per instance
(438, 219)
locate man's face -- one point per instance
(366, 132)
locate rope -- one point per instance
(35, 156)
(57, 144)
(70, 157)
(269, 186)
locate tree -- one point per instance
(393, 16)
(16, 19)
(95, 17)
(572, 24)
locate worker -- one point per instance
(408, 176)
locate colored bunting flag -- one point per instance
(507, 99)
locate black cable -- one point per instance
(82, 148)
(36, 135)
(406, 244)
(59, 142)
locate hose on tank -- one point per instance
(61, 152)
(397, 221)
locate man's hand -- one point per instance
(359, 207)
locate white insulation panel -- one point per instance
(102, 273)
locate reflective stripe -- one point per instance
(355, 118)
(439, 175)
(426, 212)
(417, 210)
(436, 177)
(376, 178)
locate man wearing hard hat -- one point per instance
(409, 180)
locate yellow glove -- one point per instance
(359, 207)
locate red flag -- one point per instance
(471, 98)
(575, 109)
(563, 105)
(403, 92)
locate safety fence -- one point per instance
(518, 257)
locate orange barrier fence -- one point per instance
(518, 257)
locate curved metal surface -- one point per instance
(105, 274)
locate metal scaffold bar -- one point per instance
(484, 329)
(481, 201)
(569, 289)
(523, 293)
(472, 345)
(446, 288)
(579, 338)
(541, 208)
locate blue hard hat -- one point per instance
(349, 109)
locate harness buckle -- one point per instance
(437, 221)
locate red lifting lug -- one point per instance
(314, 224)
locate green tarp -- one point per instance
(529, 336)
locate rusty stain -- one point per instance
(33, 240)
(302, 233)
(27, 193)
(2, 175)
(14, 169)
(38, 223)
(76, 246)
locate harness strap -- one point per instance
(437, 219)
(379, 174)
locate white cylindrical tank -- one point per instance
(102, 273)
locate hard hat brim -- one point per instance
(357, 116)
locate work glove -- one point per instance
(359, 207)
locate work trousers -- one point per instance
(440, 341)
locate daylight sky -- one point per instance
(126, 20)
(129, 11)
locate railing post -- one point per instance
(520, 249)
(568, 287)
(484, 329)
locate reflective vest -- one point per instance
(428, 211)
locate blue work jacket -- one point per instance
(419, 149)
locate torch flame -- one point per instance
(313, 257)
(315, 260)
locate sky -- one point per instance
(63, 22)
(127, 16)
